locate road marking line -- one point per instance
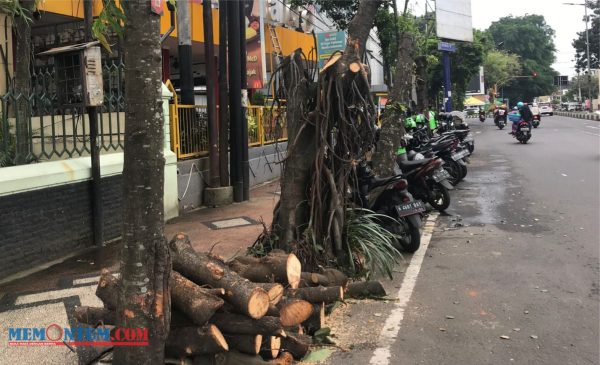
(591, 134)
(591, 126)
(565, 175)
(391, 328)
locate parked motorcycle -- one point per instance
(523, 132)
(390, 197)
(536, 120)
(427, 180)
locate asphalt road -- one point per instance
(518, 256)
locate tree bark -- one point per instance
(296, 344)
(360, 27)
(202, 269)
(94, 316)
(247, 344)
(108, 289)
(392, 127)
(421, 84)
(365, 289)
(192, 300)
(318, 294)
(22, 83)
(274, 290)
(241, 325)
(144, 300)
(191, 341)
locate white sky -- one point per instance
(566, 20)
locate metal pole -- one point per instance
(447, 82)
(589, 73)
(223, 107)
(184, 35)
(235, 101)
(97, 216)
(244, 121)
(211, 105)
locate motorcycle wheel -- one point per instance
(440, 197)
(535, 126)
(463, 171)
(500, 126)
(472, 147)
(453, 168)
(409, 237)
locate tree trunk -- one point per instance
(202, 269)
(22, 83)
(365, 289)
(192, 300)
(191, 341)
(241, 325)
(421, 84)
(318, 294)
(291, 212)
(360, 27)
(392, 127)
(108, 289)
(144, 301)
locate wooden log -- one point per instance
(196, 303)
(294, 311)
(296, 344)
(242, 325)
(305, 280)
(202, 269)
(273, 311)
(270, 347)
(108, 289)
(275, 267)
(191, 341)
(230, 358)
(284, 358)
(316, 321)
(247, 344)
(319, 294)
(335, 277)
(364, 289)
(274, 290)
(218, 292)
(94, 315)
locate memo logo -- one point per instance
(55, 335)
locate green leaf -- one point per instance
(317, 356)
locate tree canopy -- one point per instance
(499, 66)
(530, 38)
(579, 43)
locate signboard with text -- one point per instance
(254, 53)
(328, 43)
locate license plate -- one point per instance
(440, 174)
(524, 129)
(500, 112)
(411, 208)
(457, 156)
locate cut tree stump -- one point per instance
(94, 315)
(284, 358)
(316, 321)
(296, 344)
(202, 269)
(247, 344)
(327, 294)
(275, 267)
(335, 277)
(364, 289)
(196, 303)
(108, 289)
(274, 290)
(191, 341)
(270, 347)
(294, 311)
(242, 325)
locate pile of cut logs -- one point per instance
(247, 311)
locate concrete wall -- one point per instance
(579, 115)
(192, 174)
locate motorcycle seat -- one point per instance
(407, 166)
(375, 181)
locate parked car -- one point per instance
(546, 109)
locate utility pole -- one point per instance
(223, 105)
(587, 45)
(244, 120)
(184, 36)
(211, 100)
(235, 101)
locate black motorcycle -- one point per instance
(500, 118)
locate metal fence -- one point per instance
(55, 131)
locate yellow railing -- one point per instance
(266, 125)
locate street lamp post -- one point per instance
(587, 45)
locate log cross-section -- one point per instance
(197, 303)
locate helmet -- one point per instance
(520, 104)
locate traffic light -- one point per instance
(534, 74)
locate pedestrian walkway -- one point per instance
(49, 296)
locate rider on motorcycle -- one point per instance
(526, 116)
